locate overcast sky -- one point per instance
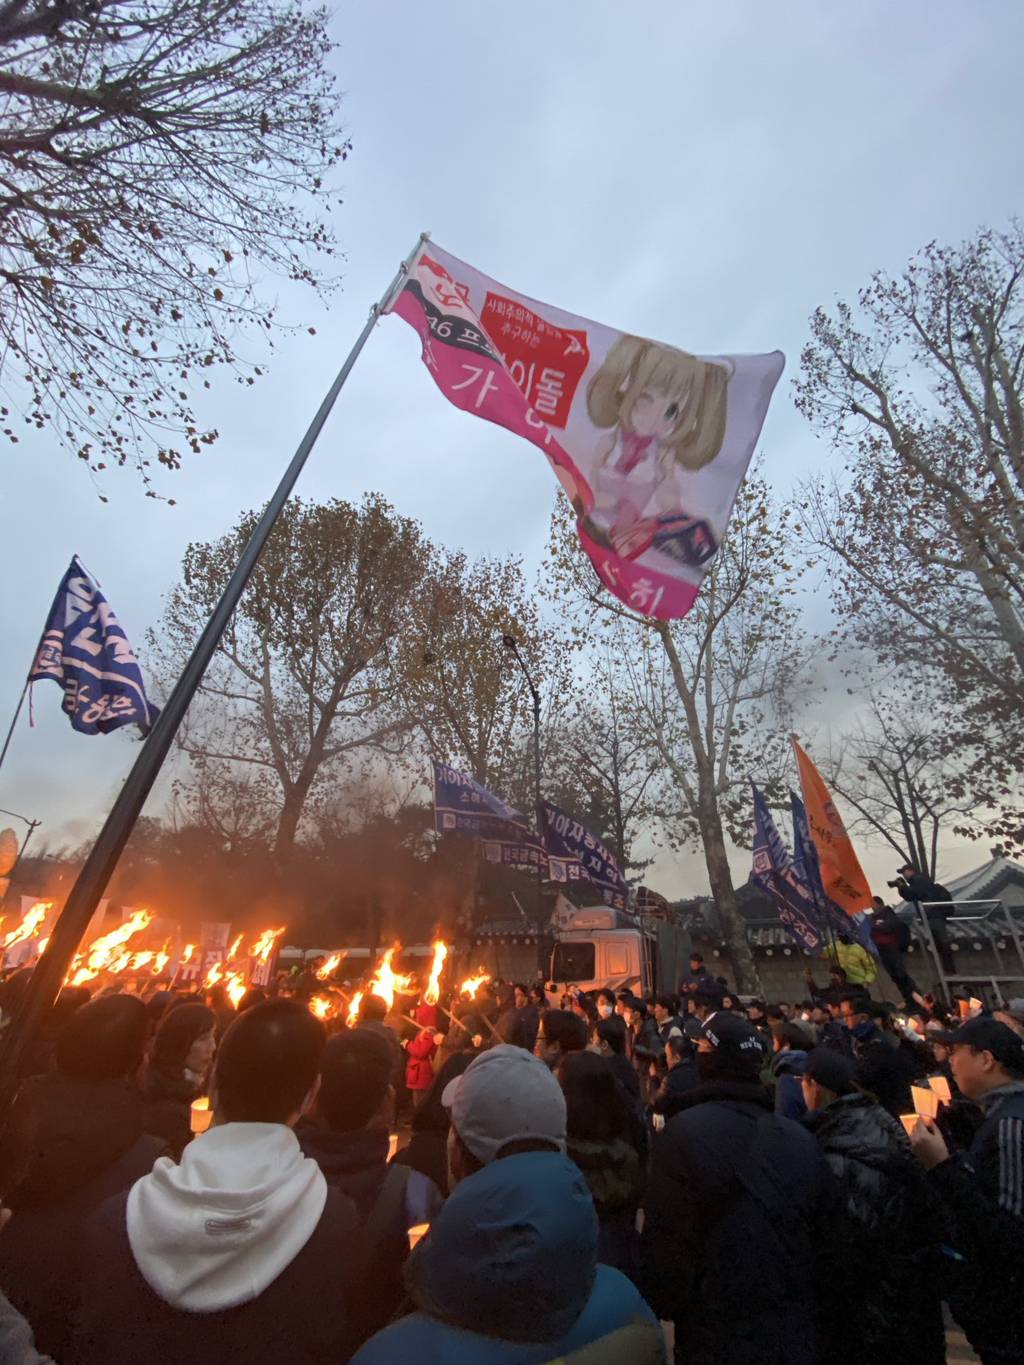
(702, 174)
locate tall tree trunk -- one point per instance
(734, 930)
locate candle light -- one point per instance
(941, 1088)
(910, 1122)
(202, 1115)
(416, 1233)
(392, 1146)
(926, 1101)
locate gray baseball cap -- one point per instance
(505, 1095)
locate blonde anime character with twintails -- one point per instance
(665, 411)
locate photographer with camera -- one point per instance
(919, 889)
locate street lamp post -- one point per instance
(512, 645)
(33, 825)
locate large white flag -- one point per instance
(649, 442)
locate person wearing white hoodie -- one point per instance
(240, 1253)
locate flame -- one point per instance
(330, 966)
(473, 983)
(264, 945)
(433, 992)
(324, 1007)
(233, 950)
(353, 1009)
(160, 961)
(30, 925)
(143, 959)
(42, 945)
(386, 982)
(236, 987)
(187, 954)
(215, 974)
(107, 953)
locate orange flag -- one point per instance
(841, 874)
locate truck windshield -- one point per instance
(573, 962)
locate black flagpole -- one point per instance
(52, 967)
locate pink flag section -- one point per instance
(649, 442)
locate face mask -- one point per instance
(604, 1011)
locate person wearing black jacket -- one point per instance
(888, 1230)
(891, 936)
(83, 1140)
(984, 1189)
(733, 1210)
(346, 1134)
(934, 901)
(679, 1080)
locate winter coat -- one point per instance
(87, 1143)
(390, 1201)
(529, 1017)
(858, 964)
(787, 1068)
(984, 1193)
(615, 1178)
(625, 1074)
(733, 1212)
(167, 1112)
(883, 1068)
(701, 981)
(885, 1241)
(419, 1069)
(507, 1275)
(239, 1253)
(678, 1081)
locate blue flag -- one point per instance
(574, 854)
(86, 651)
(805, 860)
(462, 804)
(774, 872)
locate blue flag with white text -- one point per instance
(575, 854)
(461, 804)
(775, 873)
(805, 860)
(85, 650)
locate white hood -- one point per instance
(214, 1231)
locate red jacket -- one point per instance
(419, 1073)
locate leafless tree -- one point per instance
(156, 156)
(920, 389)
(711, 691)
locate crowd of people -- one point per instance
(579, 1170)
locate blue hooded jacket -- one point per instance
(508, 1274)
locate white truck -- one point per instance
(597, 947)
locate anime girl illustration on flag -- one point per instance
(649, 442)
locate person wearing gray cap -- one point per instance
(886, 1223)
(508, 1271)
(505, 1102)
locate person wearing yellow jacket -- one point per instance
(858, 964)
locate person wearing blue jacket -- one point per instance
(508, 1275)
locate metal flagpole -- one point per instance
(52, 967)
(14, 721)
(24, 693)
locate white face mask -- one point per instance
(605, 1011)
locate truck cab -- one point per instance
(601, 947)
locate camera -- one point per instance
(896, 883)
